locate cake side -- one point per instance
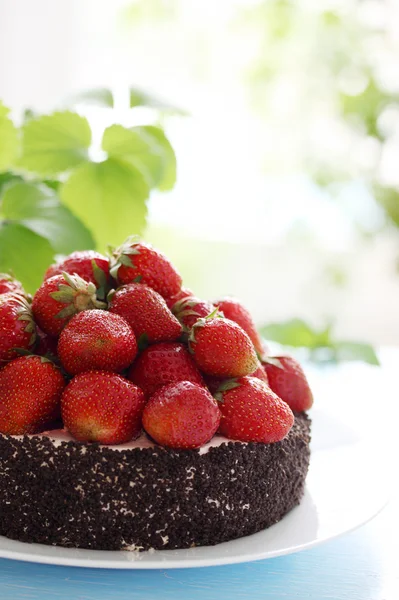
(86, 496)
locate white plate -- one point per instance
(345, 488)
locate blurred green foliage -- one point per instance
(321, 344)
(55, 199)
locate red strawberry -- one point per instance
(164, 363)
(251, 412)
(287, 380)
(261, 374)
(17, 329)
(190, 309)
(30, 393)
(182, 293)
(221, 348)
(10, 284)
(137, 261)
(96, 340)
(232, 309)
(46, 345)
(146, 312)
(181, 415)
(59, 298)
(88, 264)
(213, 383)
(98, 406)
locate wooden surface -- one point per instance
(362, 565)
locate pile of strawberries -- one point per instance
(111, 345)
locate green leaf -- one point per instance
(367, 106)
(167, 155)
(9, 141)
(147, 148)
(25, 254)
(55, 143)
(346, 351)
(388, 198)
(110, 198)
(139, 97)
(295, 333)
(94, 97)
(6, 178)
(38, 208)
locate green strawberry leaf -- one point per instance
(55, 143)
(348, 351)
(38, 208)
(139, 97)
(108, 197)
(9, 139)
(6, 178)
(24, 253)
(94, 97)
(295, 333)
(147, 148)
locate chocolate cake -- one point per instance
(141, 495)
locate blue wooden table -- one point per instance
(362, 565)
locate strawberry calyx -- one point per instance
(122, 255)
(225, 386)
(25, 314)
(77, 295)
(273, 360)
(215, 314)
(28, 354)
(101, 280)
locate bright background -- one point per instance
(287, 192)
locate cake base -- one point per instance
(89, 496)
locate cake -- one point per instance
(210, 446)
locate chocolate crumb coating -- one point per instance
(87, 496)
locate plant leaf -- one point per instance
(167, 156)
(355, 351)
(24, 253)
(38, 208)
(110, 198)
(147, 148)
(94, 97)
(55, 143)
(9, 141)
(139, 97)
(6, 178)
(295, 333)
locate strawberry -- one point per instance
(137, 261)
(46, 345)
(251, 412)
(10, 284)
(181, 415)
(88, 264)
(213, 383)
(287, 380)
(182, 293)
(30, 393)
(17, 329)
(221, 348)
(261, 374)
(164, 363)
(146, 312)
(232, 309)
(98, 406)
(59, 298)
(96, 340)
(188, 310)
